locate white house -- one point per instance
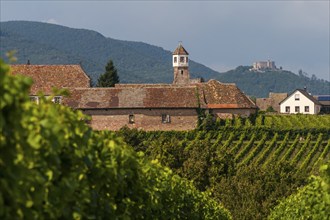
(300, 102)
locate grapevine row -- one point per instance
(279, 150)
(246, 149)
(312, 152)
(290, 150)
(255, 151)
(267, 151)
(302, 150)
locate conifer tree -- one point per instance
(110, 77)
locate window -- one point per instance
(287, 109)
(297, 109)
(181, 59)
(34, 99)
(186, 59)
(57, 99)
(181, 72)
(306, 108)
(175, 59)
(297, 97)
(131, 119)
(166, 119)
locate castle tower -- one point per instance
(180, 66)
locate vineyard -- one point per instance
(246, 164)
(279, 122)
(294, 121)
(53, 166)
(262, 147)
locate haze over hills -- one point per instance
(44, 43)
(137, 62)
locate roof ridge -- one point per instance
(44, 64)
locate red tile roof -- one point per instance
(45, 77)
(133, 97)
(211, 95)
(206, 95)
(224, 95)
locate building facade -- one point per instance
(264, 65)
(144, 106)
(300, 102)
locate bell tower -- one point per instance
(180, 66)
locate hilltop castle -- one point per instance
(264, 65)
(173, 106)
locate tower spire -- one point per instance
(180, 65)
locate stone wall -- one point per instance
(145, 119)
(181, 75)
(151, 119)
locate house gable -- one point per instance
(300, 102)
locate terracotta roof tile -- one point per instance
(224, 95)
(133, 97)
(208, 95)
(45, 77)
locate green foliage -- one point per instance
(110, 77)
(53, 166)
(253, 191)
(246, 168)
(270, 109)
(310, 202)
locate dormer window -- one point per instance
(181, 59)
(175, 59)
(186, 59)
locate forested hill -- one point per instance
(137, 62)
(259, 84)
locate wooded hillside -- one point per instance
(137, 62)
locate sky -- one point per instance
(219, 34)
